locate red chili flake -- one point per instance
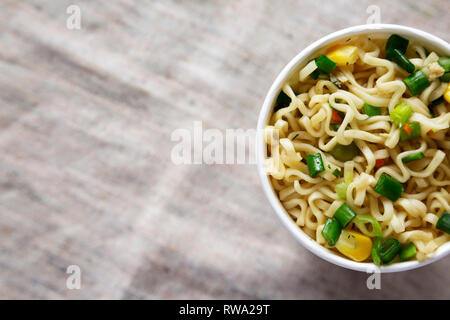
(407, 128)
(379, 162)
(335, 117)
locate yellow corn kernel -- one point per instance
(354, 245)
(447, 93)
(343, 55)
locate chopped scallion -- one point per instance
(412, 157)
(445, 63)
(337, 173)
(376, 251)
(413, 131)
(401, 113)
(324, 64)
(344, 153)
(407, 252)
(389, 187)
(348, 176)
(315, 164)
(283, 100)
(371, 110)
(360, 221)
(416, 82)
(341, 190)
(400, 59)
(315, 74)
(445, 77)
(344, 214)
(444, 222)
(397, 42)
(331, 231)
(389, 249)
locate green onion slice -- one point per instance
(435, 103)
(371, 110)
(317, 74)
(401, 113)
(324, 64)
(361, 220)
(344, 214)
(445, 63)
(397, 42)
(389, 187)
(412, 157)
(376, 251)
(344, 153)
(348, 176)
(389, 249)
(315, 164)
(416, 82)
(341, 190)
(415, 132)
(444, 222)
(407, 252)
(283, 99)
(337, 173)
(331, 231)
(445, 77)
(400, 59)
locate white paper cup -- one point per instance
(429, 41)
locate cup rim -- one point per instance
(426, 38)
